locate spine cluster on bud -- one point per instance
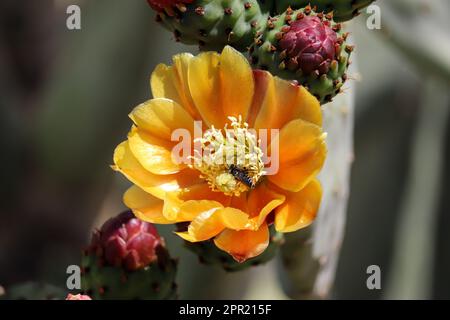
(306, 46)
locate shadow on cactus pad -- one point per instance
(209, 254)
(34, 291)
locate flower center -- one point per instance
(230, 160)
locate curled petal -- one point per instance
(300, 208)
(145, 206)
(262, 201)
(161, 117)
(210, 223)
(302, 153)
(157, 185)
(283, 102)
(243, 244)
(236, 82)
(204, 85)
(171, 82)
(154, 154)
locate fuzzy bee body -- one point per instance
(241, 174)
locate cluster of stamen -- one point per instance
(229, 159)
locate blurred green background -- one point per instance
(64, 100)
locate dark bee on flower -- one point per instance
(241, 174)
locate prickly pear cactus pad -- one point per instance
(229, 202)
(213, 24)
(127, 259)
(305, 46)
(343, 10)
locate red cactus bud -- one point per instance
(77, 297)
(126, 241)
(311, 44)
(164, 5)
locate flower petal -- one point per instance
(285, 101)
(145, 206)
(210, 223)
(262, 79)
(157, 185)
(204, 85)
(202, 191)
(181, 211)
(261, 201)
(236, 81)
(154, 154)
(161, 117)
(300, 208)
(175, 202)
(302, 152)
(172, 83)
(299, 139)
(243, 244)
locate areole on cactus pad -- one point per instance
(127, 259)
(305, 46)
(213, 24)
(343, 10)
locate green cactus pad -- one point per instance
(213, 24)
(156, 281)
(266, 54)
(343, 10)
(209, 254)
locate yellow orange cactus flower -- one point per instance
(222, 105)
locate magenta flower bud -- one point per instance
(127, 241)
(310, 45)
(77, 297)
(162, 5)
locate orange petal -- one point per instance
(145, 206)
(210, 223)
(236, 81)
(261, 202)
(204, 85)
(262, 80)
(172, 83)
(154, 154)
(300, 208)
(180, 211)
(299, 139)
(160, 117)
(157, 185)
(240, 202)
(174, 201)
(243, 244)
(202, 191)
(285, 101)
(302, 152)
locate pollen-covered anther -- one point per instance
(230, 159)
